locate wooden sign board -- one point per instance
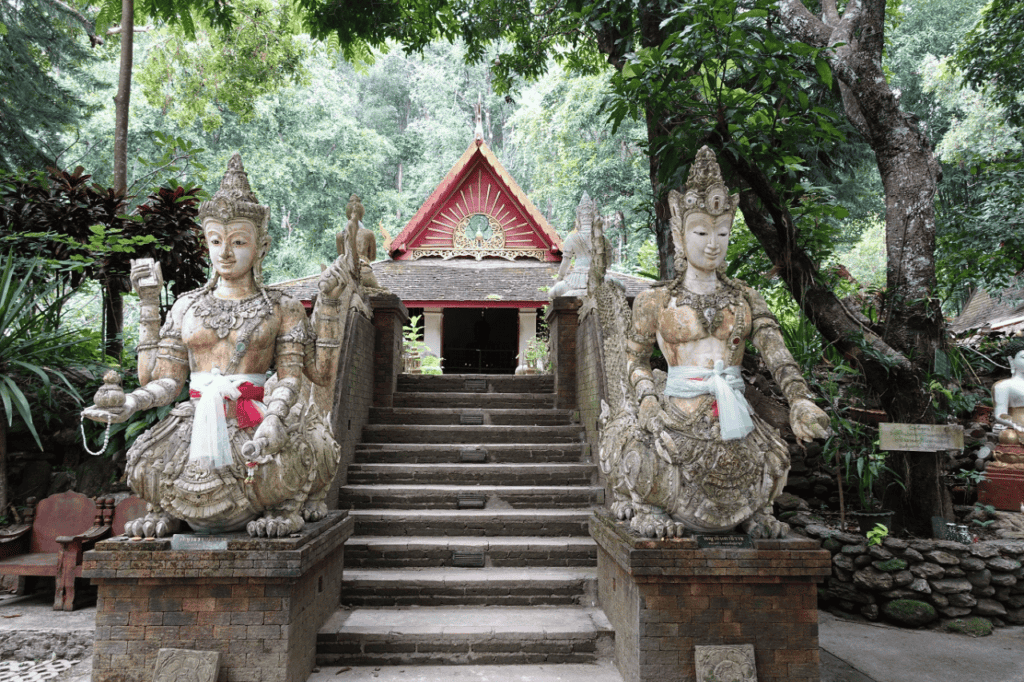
(921, 437)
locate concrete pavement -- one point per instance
(852, 651)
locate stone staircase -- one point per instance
(471, 500)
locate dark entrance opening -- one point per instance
(480, 340)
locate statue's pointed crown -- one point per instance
(585, 212)
(235, 199)
(705, 189)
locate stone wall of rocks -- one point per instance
(914, 582)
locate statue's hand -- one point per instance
(808, 420)
(270, 438)
(332, 279)
(119, 416)
(147, 279)
(651, 417)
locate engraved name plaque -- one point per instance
(710, 541)
(199, 542)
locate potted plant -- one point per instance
(871, 468)
(535, 352)
(413, 348)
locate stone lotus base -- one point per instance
(259, 602)
(665, 597)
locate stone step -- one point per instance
(400, 416)
(602, 670)
(387, 433)
(518, 586)
(471, 522)
(465, 635)
(381, 551)
(426, 453)
(473, 474)
(478, 400)
(441, 497)
(475, 383)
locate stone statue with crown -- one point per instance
(684, 453)
(359, 242)
(253, 447)
(578, 251)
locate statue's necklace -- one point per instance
(710, 308)
(223, 316)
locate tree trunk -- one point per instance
(122, 98)
(112, 304)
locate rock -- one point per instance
(983, 550)
(816, 530)
(879, 553)
(975, 627)
(990, 607)
(900, 593)
(832, 545)
(903, 578)
(894, 544)
(928, 571)
(849, 538)
(800, 519)
(1015, 616)
(980, 578)
(939, 600)
(910, 612)
(954, 572)
(890, 566)
(920, 585)
(842, 574)
(870, 611)
(1003, 564)
(963, 599)
(862, 561)
(790, 502)
(1016, 601)
(849, 593)
(1003, 580)
(842, 561)
(986, 591)
(950, 586)
(1003, 593)
(972, 564)
(912, 555)
(871, 579)
(955, 611)
(854, 550)
(942, 558)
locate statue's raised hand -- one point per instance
(147, 278)
(808, 421)
(113, 416)
(332, 279)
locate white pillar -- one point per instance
(527, 330)
(432, 324)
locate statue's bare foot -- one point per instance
(314, 511)
(152, 525)
(275, 526)
(657, 525)
(763, 525)
(623, 509)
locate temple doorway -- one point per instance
(480, 340)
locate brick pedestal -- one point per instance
(1003, 488)
(563, 321)
(664, 597)
(389, 316)
(260, 602)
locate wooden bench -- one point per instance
(51, 541)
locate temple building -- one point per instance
(475, 262)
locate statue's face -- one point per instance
(706, 239)
(233, 246)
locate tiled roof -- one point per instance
(463, 281)
(983, 311)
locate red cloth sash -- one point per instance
(246, 413)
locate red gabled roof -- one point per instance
(477, 184)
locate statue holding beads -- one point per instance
(253, 447)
